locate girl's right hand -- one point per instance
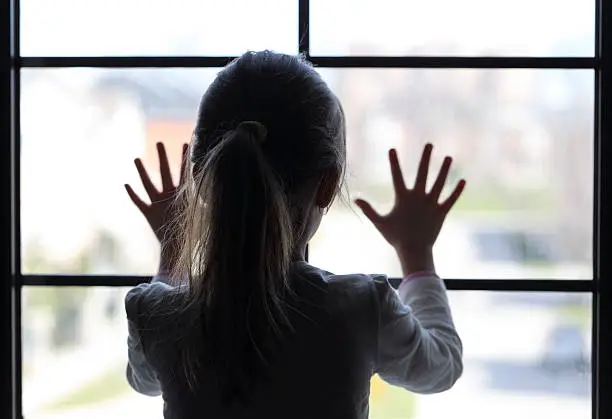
(416, 219)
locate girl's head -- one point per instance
(267, 158)
(304, 143)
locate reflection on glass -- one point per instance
(156, 27)
(526, 355)
(522, 139)
(453, 28)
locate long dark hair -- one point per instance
(267, 127)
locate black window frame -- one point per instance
(12, 279)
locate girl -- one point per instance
(236, 323)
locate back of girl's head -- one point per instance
(268, 128)
(287, 96)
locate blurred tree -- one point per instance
(63, 304)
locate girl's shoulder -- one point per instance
(151, 297)
(351, 286)
(354, 279)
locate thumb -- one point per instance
(368, 211)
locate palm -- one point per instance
(416, 217)
(160, 211)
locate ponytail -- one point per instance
(238, 242)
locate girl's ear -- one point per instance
(327, 188)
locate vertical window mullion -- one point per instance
(16, 206)
(6, 290)
(602, 382)
(304, 27)
(595, 393)
(304, 46)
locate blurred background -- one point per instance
(522, 138)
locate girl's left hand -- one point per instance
(161, 210)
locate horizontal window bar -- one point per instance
(555, 285)
(84, 280)
(338, 62)
(122, 62)
(540, 285)
(458, 62)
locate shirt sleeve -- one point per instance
(418, 346)
(139, 373)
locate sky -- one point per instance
(228, 27)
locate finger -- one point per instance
(142, 206)
(164, 168)
(436, 189)
(146, 180)
(421, 179)
(396, 172)
(450, 202)
(184, 164)
(369, 212)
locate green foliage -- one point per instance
(480, 198)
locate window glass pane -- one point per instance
(156, 27)
(75, 354)
(93, 123)
(453, 28)
(521, 138)
(526, 355)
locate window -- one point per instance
(517, 91)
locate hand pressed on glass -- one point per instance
(161, 211)
(416, 219)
